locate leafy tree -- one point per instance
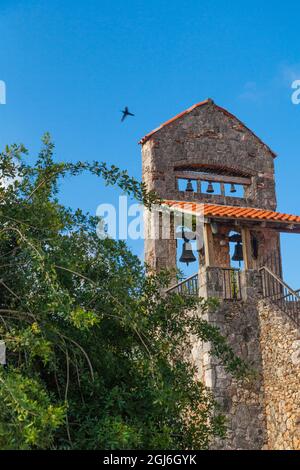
(97, 356)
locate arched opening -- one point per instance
(212, 180)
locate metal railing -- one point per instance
(275, 289)
(231, 284)
(273, 262)
(189, 286)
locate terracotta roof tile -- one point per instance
(232, 212)
(197, 105)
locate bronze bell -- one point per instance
(238, 253)
(232, 188)
(236, 237)
(210, 188)
(189, 187)
(187, 255)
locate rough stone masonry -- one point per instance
(263, 413)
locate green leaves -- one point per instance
(28, 418)
(83, 320)
(97, 357)
(29, 340)
(114, 433)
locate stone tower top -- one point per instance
(232, 240)
(207, 146)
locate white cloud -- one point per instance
(278, 84)
(289, 73)
(251, 92)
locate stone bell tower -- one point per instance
(205, 160)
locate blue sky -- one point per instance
(71, 66)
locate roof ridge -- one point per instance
(144, 139)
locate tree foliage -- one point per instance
(97, 356)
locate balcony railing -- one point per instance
(189, 286)
(231, 284)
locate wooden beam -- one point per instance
(247, 251)
(198, 186)
(277, 225)
(222, 187)
(208, 245)
(193, 175)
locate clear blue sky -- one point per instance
(70, 66)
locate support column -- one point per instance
(208, 245)
(247, 252)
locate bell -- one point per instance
(187, 254)
(232, 188)
(189, 187)
(210, 188)
(236, 237)
(238, 252)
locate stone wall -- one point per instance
(205, 137)
(209, 136)
(280, 350)
(240, 402)
(160, 243)
(264, 412)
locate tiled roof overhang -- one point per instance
(277, 220)
(189, 110)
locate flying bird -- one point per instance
(126, 113)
